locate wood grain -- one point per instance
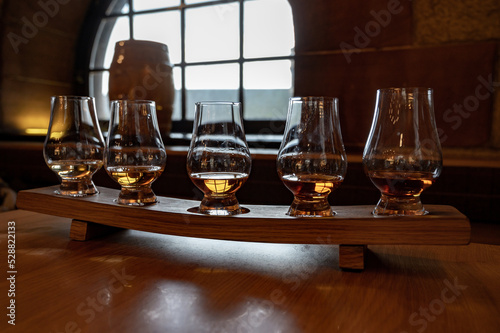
(353, 225)
(145, 282)
(83, 230)
(352, 256)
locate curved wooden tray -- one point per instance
(352, 225)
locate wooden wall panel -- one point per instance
(38, 51)
(454, 72)
(323, 25)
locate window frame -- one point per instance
(263, 133)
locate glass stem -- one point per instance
(137, 196)
(220, 205)
(310, 206)
(392, 205)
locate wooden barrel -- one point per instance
(141, 70)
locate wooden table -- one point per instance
(134, 281)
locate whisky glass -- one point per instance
(74, 145)
(312, 161)
(218, 160)
(135, 155)
(402, 155)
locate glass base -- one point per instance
(77, 189)
(141, 196)
(223, 206)
(311, 207)
(399, 206)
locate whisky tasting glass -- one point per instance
(74, 145)
(135, 155)
(402, 156)
(218, 160)
(311, 161)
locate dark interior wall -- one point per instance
(349, 49)
(38, 51)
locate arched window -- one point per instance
(240, 50)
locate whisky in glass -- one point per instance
(402, 155)
(218, 160)
(74, 145)
(135, 155)
(311, 161)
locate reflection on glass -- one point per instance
(217, 38)
(167, 30)
(268, 29)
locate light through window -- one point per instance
(239, 50)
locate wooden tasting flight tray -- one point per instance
(352, 228)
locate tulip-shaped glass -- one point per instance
(218, 160)
(74, 145)
(311, 161)
(135, 155)
(402, 156)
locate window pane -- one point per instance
(268, 28)
(98, 88)
(177, 114)
(110, 31)
(267, 88)
(154, 4)
(212, 33)
(162, 27)
(211, 83)
(275, 74)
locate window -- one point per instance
(240, 50)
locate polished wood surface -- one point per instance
(263, 223)
(134, 281)
(353, 226)
(352, 256)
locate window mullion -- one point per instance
(241, 59)
(183, 62)
(131, 19)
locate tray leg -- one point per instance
(83, 230)
(352, 257)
